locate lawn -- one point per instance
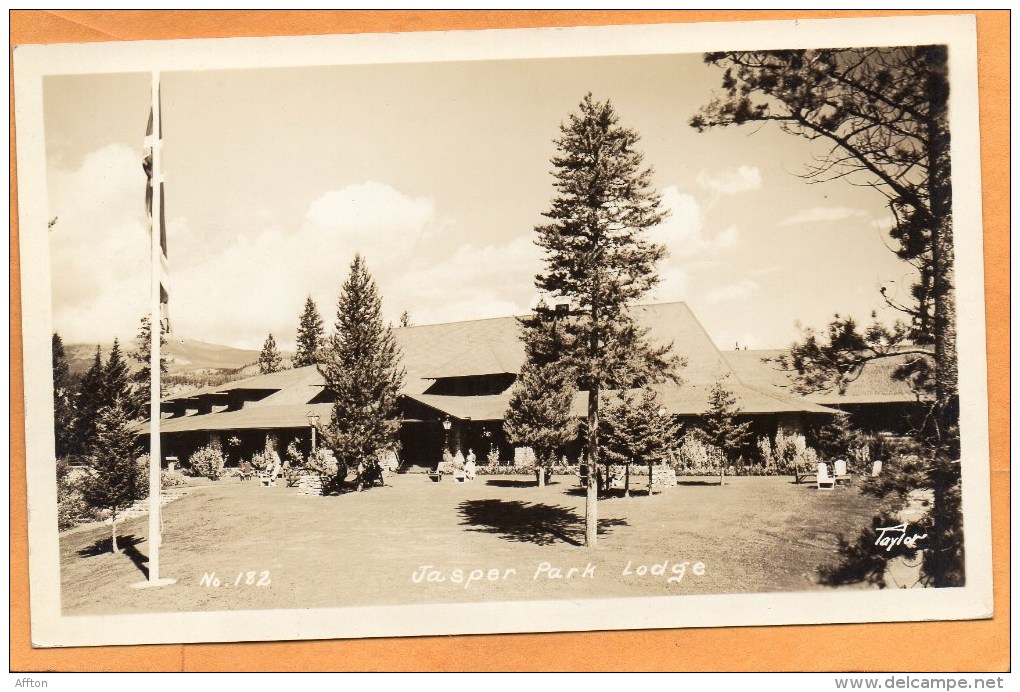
(507, 537)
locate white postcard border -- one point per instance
(51, 628)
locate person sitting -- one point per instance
(458, 467)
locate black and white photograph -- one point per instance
(504, 331)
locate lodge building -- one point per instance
(457, 389)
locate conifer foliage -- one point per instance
(637, 428)
(310, 335)
(139, 404)
(63, 400)
(720, 426)
(114, 479)
(87, 404)
(270, 359)
(360, 364)
(598, 261)
(539, 413)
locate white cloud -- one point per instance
(684, 234)
(239, 291)
(884, 223)
(257, 284)
(683, 231)
(99, 246)
(733, 291)
(474, 282)
(731, 181)
(822, 215)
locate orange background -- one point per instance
(936, 646)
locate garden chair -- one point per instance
(268, 478)
(245, 472)
(840, 470)
(823, 478)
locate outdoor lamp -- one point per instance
(447, 424)
(313, 422)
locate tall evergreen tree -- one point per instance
(88, 401)
(310, 335)
(63, 400)
(405, 319)
(884, 115)
(360, 364)
(116, 380)
(539, 413)
(114, 479)
(138, 406)
(270, 359)
(636, 428)
(720, 425)
(598, 260)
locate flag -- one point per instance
(152, 143)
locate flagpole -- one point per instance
(155, 334)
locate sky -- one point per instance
(437, 174)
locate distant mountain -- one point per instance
(187, 357)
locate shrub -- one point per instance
(261, 461)
(172, 479)
(697, 456)
(208, 461)
(294, 456)
(292, 476)
(72, 509)
(789, 450)
(323, 463)
(504, 469)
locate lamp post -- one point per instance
(447, 424)
(651, 461)
(313, 422)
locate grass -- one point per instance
(752, 535)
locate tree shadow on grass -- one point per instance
(525, 522)
(512, 483)
(611, 494)
(128, 545)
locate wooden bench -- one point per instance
(443, 469)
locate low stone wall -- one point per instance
(310, 484)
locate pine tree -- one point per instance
(598, 261)
(883, 114)
(114, 479)
(88, 401)
(539, 413)
(360, 364)
(405, 319)
(63, 401)
(719, 423)
(835, 437)
(636, 428)
(138, 406)
(116, 380)
(270, 359)
(310, 335)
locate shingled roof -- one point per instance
(874, 385)
(486, 347)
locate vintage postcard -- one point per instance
(503, 331)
